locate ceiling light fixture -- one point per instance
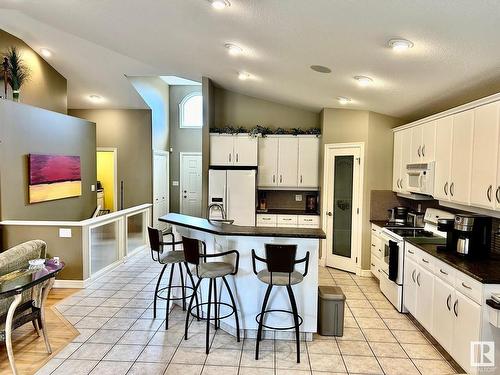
(95, 98)
(220, 4)
(243, 76)
(45, 52)
(343, 100)
(233, 49)
(321, 69)
(363, 81)
(399, 45)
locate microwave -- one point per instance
(420, 178)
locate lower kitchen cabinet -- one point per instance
(442, 314)
(288, 221)
(410, 286)
(425, 297)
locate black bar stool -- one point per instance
(280, 261)
(211, 271)
(168, 258)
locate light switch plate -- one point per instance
(298, 198)
(92, 187)
(65, 232)
(175, 183)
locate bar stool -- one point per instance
(211, 271)
(280, 261)
(168, 258)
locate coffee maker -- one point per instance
(447, 225)
(472, 234)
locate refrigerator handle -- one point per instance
(226, 206)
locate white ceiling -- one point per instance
(96, 43)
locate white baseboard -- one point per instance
(365, 273)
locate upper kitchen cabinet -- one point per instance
(308, 162)
(423, 141)
(485, 191)
(288, 162)
(444, 131)
(233, 150)
(402, 157)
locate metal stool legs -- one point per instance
(157, 288)
(261, 322)
(233, 302)
(295, 319)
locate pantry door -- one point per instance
(343, 201)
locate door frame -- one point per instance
(167, 182)
(358, 250)
(114, 150)
(181, 156)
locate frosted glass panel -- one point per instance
(342, 209)
(135, 232)
(103, 246)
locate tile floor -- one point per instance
(119, 336)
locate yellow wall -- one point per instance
(106, 174)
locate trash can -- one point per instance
(330, 311)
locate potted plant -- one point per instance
(18, 73)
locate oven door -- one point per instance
(394, 266)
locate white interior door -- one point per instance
(342, 220)
(190, 169)
(160, 187)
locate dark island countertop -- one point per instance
(380, 223)
(285, 211)
(235, 230)
(486, 269)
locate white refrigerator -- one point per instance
(234, 189)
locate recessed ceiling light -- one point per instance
(399, 45)
(343, 100)
(363, 80)
(233, 49)
(243, 76)
(95, 98)
(321, 69)
(220, 4)
(45, 52)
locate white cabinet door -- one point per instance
(245, 150)
(268, 162)
(410, 285)
(485, 156)
(416, 144)
(425, 296)
(444, 297)
(466, 329)
(288, 161)
(221, 149)
(396, 162)
(463, 125)
(405, 157)
(428, 141)
(308, 162)
(444, 131)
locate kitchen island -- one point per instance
(248, 290)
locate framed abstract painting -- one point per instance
(54, 177)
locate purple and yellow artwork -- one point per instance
(54, 177)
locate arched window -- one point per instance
(191, 111)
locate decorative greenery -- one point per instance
(262, 131)
(18, 73)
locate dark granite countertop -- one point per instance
(380, 223)
(236, 230)
(485, 270)
(284, 211)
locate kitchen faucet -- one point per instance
(220, 207)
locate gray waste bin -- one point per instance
(331, 311)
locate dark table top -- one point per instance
(485, 269)
(236, 230)
(24, 278)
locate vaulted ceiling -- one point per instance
(95, 44)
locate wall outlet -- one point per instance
(298, 197)
(175, 183)
(92, 187)
(65, 232)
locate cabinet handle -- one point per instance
(236, 157)
(308, 219)
(300, 178)
(488, 192)
(373, 265)
(444, 273)
(423, 150)
(286, 219)
(445, 188)
(413, 276)
(448, 300)
(229, 157)
(281, 179)
(455, 308)
(265, 218)
(451, 189)
(373, 245)
(498, 194)
(466, 286)
(418, 279)
(274, 179)
(425, 260)
(411, 252)
(418, 152)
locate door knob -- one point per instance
(185, 191)
(185, 196)
(329, 213)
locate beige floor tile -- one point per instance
(388, 349)
(353, 334)
(360, 312)
(219, 370)
(136, 337)
(224, 357)
(89, 351)
(371, 323)
(398, 366)
(111, 368)
(183, 369)
(380, 335)
(226, 341)
(421, 351)
(266, 359)
(400, 324)
(153, 353)
(124, 353)
(357, 303)
(143, 368)
(390, 314)
(410, 337)
(375, 296)
(322, 362)
(355, 348)
(362, 365)
(382, 304)
(288, 346)
(194, 356)
(256, 371)
(75, 367)
(433, 367)
(323, 347)
(292, 372)
(167, 338)
(288, 360)
(350, 322)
